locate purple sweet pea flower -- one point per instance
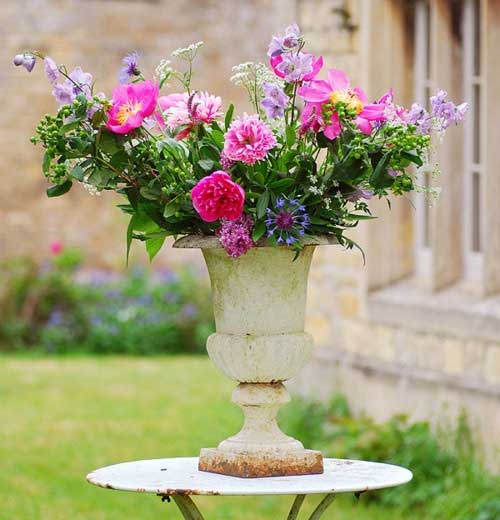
(359, 193)
(286, 43)
(51, 69)
(79, 83)
(446, 112)
(295, 66)
(275, 101)
(130, 67)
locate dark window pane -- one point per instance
(476, 124)
(477, 37)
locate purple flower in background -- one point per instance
(56, 318)
(25, 60)
(225, 161)
(79, 83)
(235, 236)
(392, 172)
(295, 66)
(51, 69)
(288, 221)
(360, 193)
(286, 43)
(446, 112)
(189, 310)
(419, 117)
(130, 67)
(275, 100)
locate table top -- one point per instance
(180, 476)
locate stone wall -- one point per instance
(96, 35)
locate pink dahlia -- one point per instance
(248, 139)
(321, 94)
(218, 196)
(184, 110)
(131, 104)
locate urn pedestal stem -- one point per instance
(259, 307)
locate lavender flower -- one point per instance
(288, 221)
(129, 68)
(295, 66)
(289, 42)
(79, 83)
(446, 112)
(275, 100)
(26, 60)
(51, 69)
(235, 235)
(419, 117)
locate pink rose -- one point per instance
(217, 196)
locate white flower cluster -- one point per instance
(251, 73)
(187, 53)
(164, 71)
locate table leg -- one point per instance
(297, 503)
(322, 507)
(187, 507)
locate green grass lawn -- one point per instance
(61, 418)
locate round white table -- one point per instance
(179, 478)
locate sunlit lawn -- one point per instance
(62, 418)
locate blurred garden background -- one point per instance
(102, 363)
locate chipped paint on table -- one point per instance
(180, 476)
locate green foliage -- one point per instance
(449, 482)
(47, 308)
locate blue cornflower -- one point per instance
(288, 221)
(130, 67)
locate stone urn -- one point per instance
(259, 305)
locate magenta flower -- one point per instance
(183, 110)
(131, 104)
(217, 196)
(235, 236)
(56, 247)
(280, 64)
(336, 89)
(248, 139)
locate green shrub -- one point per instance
(58, 307)
(449, 481)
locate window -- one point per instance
(474, 137)
(423, 89)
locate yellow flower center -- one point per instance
(127, 110)
(349, 98)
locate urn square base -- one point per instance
(257, 465)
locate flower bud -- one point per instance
(18, 60)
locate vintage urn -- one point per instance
(259, 305)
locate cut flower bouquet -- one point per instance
(305, 162)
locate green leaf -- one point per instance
(319, 221)
(153, 245)
(107, 143)
(206, 164)
(170, 209)
(149, 193)
(413, 158)
(258, 230)
(290, 135)
(262, 203)
(69, 126)
(77, 173)
(282, 183)
(377, 177)
(130, 234)
(229, 116)
(47, 159)
(59, 189)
